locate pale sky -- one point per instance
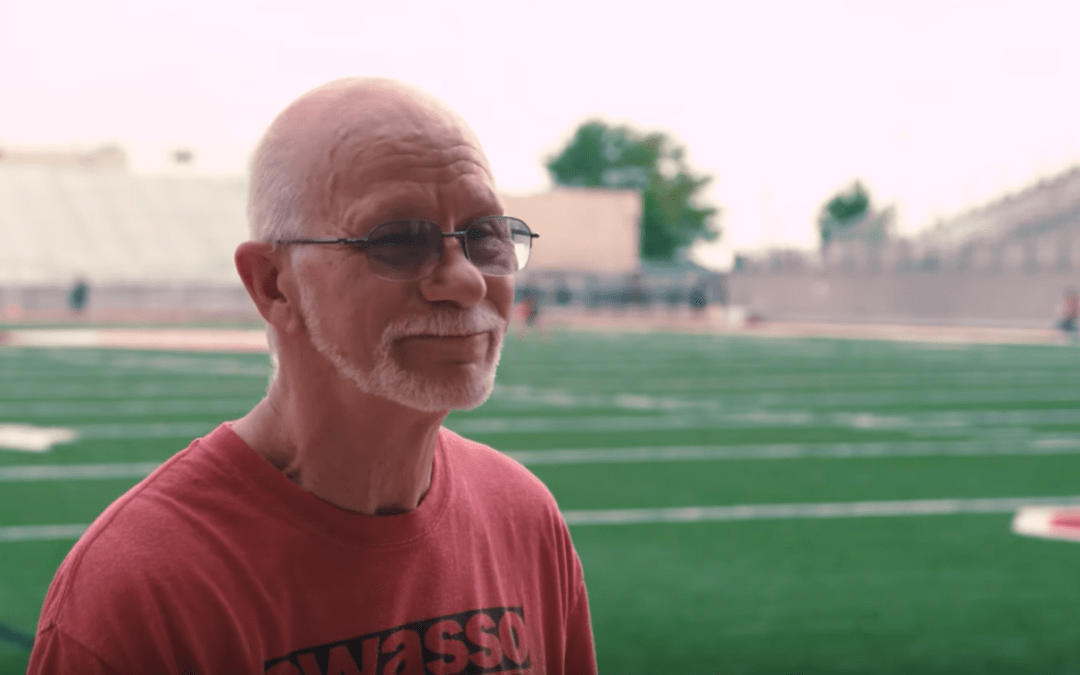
(936, 106)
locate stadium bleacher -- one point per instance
(110, 226)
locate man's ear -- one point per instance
(261, 268)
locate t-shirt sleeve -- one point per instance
(57, 653)
(580, 648)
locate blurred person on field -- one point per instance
(699, 297)
(338, 527)
(1070, 315)
(529, 309)
(78, 296)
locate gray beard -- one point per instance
(421, 391)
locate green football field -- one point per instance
(741, 505)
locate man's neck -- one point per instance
(369, 455)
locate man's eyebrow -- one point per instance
(394, 209)
(465, 223)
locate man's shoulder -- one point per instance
(489, 471)
(467, 452)
(132, 535)
(175, 537)
(153, 520)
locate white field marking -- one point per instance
(914, 507)
(856, 397)
(74, 385)
(180, 399)
(187, 364)
(473, 425)
(954, 420)
(41, 532)
(27, 473)
(693, 514)
(1048, 522)
(560, 398)
(157, 339)
(1036, 447)
(61, 337)
(226, 407)
(726, 400)
(127, 406)
(181, 430)
(726, 405)
(185, 430)
(748, 383)
(28, 438)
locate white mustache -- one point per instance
(445, 322)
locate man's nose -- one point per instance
(454, 279)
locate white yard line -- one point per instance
(41, 532)
(947, 420)
(126, 407)
(1034, 447)
(76, 471)
(181, 430)
(914, 507)
(726, 397)
(693, 514)
(614, 324)
(44, 412)
(136, 338)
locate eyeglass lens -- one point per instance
(406, 250)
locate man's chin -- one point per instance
(444, 395)
(461, 387)
(430, 388)
(442, 403)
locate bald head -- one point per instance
(307, 156)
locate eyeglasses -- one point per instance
(407, 250)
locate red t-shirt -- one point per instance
(218, 563)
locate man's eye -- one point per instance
(488, 230)
(399, 240)
(390, 240)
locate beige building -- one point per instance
(581, 230)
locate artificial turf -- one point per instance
(905, 594)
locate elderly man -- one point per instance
(338, 528)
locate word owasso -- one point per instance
(492, 640)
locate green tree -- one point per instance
(846, 208)
(603, 156)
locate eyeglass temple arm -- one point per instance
(355, 242)
(461, 233)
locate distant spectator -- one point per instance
(563, 295)
(530, 306)
(699, 296)
(594, 297)
(79, 295)
(638, 295)
(529, 310)
(1070, 313)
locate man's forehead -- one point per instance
(468, 197)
